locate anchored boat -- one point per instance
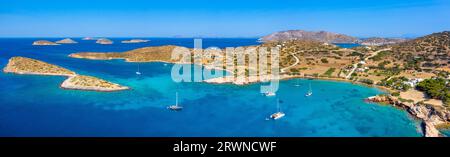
(175, 107)
(278, 114)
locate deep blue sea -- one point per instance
(36, 106)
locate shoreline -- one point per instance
(282, 77)
(289, 77)
(382, 88)
(72, 80)
(416, 111)
(429, 124)
(38, 74)
(66, 84)
(151, 61)
(430, 116)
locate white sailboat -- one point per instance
(138, 72)
(175, 107)
(270, 94)
(309, 91)
(298, 84)
(278, 114)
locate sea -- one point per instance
(35, 106)
(347, 45)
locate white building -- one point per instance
(413, 82)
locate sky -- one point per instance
(224, 18)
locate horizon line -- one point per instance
(406, 36)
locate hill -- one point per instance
(431, 51)
(321, 36)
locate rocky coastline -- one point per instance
(81, 82)
(431, 116)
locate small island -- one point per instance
(44, 43)
(133, 41)
(146, 54)
(22, 65)
(66, 41)
(82, 82)
(432, 117)
(104, 41)
(28, 66)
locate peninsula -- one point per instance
(146, 54)
(322, 36)
(22, 65)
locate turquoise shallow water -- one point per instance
(446, 132)
(36, 106)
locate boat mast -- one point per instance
(278, 105)
(176, 99)
(310, 87)
(138, 64)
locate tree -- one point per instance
(437, 88)
(366, 81)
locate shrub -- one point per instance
(381, 55)
(329, 72)
(316, 75)
(395, 83)
(355, 53)
(383, 64)
(359, 65)
(436, 88)
(395, 94)
(366, 81)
